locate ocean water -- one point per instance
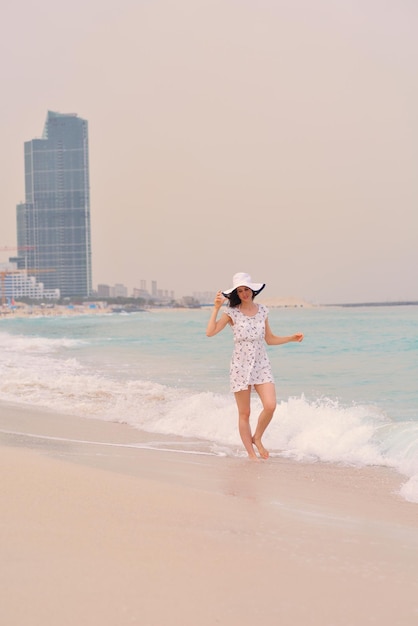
(348, 394)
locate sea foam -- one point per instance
(311, 430)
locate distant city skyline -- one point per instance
(121, 290)
(274, 138)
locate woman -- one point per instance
(250, 365)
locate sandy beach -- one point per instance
(98, 531)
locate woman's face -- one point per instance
(244, 294)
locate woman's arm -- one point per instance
(216, 325)
(274, 340)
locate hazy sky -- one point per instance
(277, 137)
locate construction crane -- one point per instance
(9, 248)
(18, 248)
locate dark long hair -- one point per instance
(234, 299)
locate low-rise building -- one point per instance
(17, 284)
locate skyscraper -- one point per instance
(53, 224)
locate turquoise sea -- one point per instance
(348, 394)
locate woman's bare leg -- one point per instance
(243, 400)
(267, 393)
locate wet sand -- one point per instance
(99, 529)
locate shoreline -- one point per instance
(102, 308)
(96, 530)
(36, 311)
(46, 431)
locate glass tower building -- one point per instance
(53, 224)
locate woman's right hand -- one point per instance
(219, 300)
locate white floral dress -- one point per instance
(250, 364)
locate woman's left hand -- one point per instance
(298, 337)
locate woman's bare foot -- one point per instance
(263, 452)
(251, 454)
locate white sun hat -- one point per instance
(243, 280)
